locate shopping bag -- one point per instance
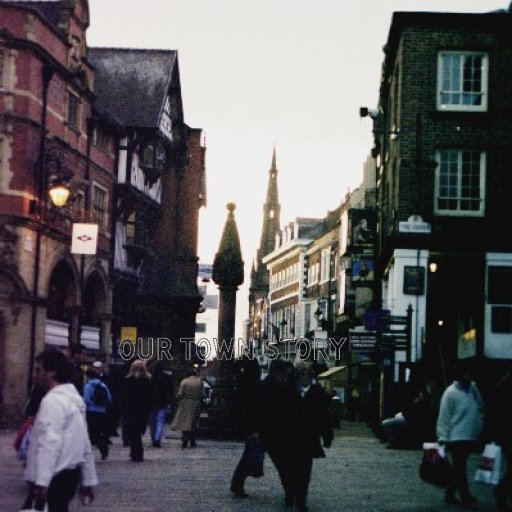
(26, 425)
(488, 471)
(23, 438)
(435, 468)
(253, 457)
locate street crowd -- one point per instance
(74, 407)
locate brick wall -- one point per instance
(413, 64)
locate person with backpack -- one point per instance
(97, 397)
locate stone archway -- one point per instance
(62, 305)
(95, 312)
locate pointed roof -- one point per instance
(272, 199)
(132, 84)
(228, 266)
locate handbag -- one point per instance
(488, 471)
(253, 457)
(435, 468)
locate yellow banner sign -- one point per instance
(129, 333)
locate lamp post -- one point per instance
(51, 181)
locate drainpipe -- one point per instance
(47, 74)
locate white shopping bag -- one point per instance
(488, 471)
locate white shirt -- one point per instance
(59, 438)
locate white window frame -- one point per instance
(484, 83)
(458, 212)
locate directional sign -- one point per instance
(363, 341)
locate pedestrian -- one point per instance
(353, 403)
(459, 426)
(503, 430)
(112, 414)
(189, 394)
(77, 357)
(411, 426)
(137, 404)
(294, 417)
(59, 458)
(97, 397)
(163, 396)
(247, 382)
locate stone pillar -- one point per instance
(228, 274)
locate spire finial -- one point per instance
(274, 164)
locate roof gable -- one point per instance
(132, 85)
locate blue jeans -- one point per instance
(156, 423)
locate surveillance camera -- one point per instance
(372, 112)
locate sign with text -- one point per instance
(129, 333)
(362, 341)
(84, 239)
(414, 280)
(414, 224)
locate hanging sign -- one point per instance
(84, 238)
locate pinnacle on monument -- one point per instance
(228, 266)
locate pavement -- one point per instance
(358, 475)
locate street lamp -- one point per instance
(59, 194)
(58, 178)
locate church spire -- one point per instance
(271, 208)
(271, 226)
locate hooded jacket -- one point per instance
(59, 438)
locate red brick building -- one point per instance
(49, 134)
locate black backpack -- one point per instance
(100, 395)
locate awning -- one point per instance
(331, 371)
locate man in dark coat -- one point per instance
(163, 396)
(294, 415)
(247, 381)
(77, 356)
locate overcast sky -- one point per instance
(255, 73)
